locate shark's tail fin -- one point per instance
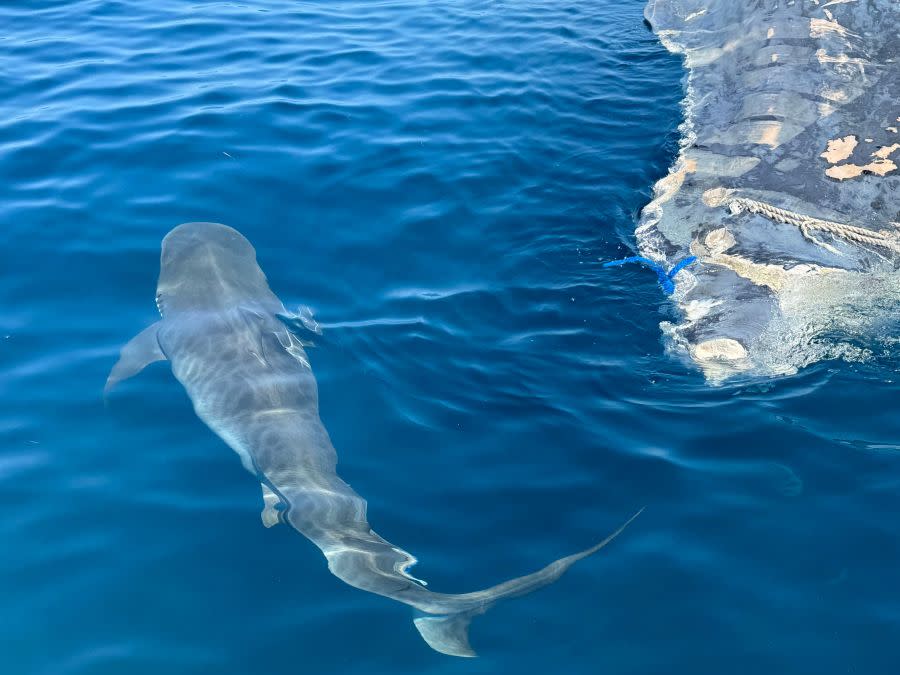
(448, 632)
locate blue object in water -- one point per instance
(666, 279)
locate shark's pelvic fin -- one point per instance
(270, 514)
(141, 351)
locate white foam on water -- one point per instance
(829, 316)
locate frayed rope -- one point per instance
(666, 279)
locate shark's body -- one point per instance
(250, 381)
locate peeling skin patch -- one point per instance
(843, 63)
(834, 95)
(668, 187)
(880, 167)
(715, 197)
(770, 276)
(840, 149)
(717, 370)
(719, 241)
(703, 57)
(886, 151)
(774, 277)
(819, 28)
(767, 134)
(707, 163)
(719, 349)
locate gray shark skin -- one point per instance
(250, 381)
(786, 187)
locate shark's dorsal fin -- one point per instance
(142, 350)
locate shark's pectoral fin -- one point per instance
(271, 514)
(141, 351)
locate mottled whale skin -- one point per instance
(787, 184)
(250, 381)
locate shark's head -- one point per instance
(208, 267)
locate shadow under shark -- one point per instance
(250, 381)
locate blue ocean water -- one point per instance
(439, 181)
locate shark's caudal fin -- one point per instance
(448, 633)
(142, 350)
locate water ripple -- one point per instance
(439, 181)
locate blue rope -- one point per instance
(666, 279)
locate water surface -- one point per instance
(438, 181)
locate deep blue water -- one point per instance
(438, 181)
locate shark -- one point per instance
(225, 335)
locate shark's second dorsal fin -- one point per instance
(142, 350)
